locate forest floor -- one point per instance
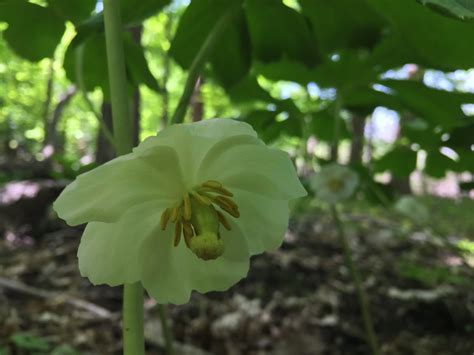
(298, 300)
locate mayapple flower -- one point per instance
(184, 211)
(334, 183)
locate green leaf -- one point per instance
(282, 33)
(433, 40)
(95, 64)
(248, 90)
(134, 12)
(436, 107)
(137, 65)
(437, 164)
(461, 8)
(29, 342)
(343, 24)
(231, 58)
(33, 31)
(400, 161)
(322, 125)
(461, 137)
(73, 10)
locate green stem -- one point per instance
(169, 349)
(362, 297)
(337, 130)
(133, 335)
(117, 77)
(198, 63)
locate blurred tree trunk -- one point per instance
(48, 99)
(357, 143)
(402, 185)
(197, 105)
(104, 150)
(52, 137)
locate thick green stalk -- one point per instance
(117, 77)
(198, 63)
(133, 336)
(362, 297)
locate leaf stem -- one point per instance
(361, 295)
(198, 63)
(133, 335)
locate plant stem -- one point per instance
(169, 349)
(198, 62)
(362, 297)
(117, 77)
(133, 336)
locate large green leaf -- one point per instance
(322, 125)
(231, 57)
(33, 31)
(348, 71)
(460, 8)
(94, 61)
(435, 40)
(73, 10)
(437, 164)
(248, 90)
(343, 24)
(279, 32)
(400, 161)
(437, 107)
(462, 137)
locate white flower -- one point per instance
(184, 211)
(334, 183)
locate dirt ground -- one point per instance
(298, 300)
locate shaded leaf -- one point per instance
(282, 33)
(33, 31)
(400, 162)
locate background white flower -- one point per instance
(334, 183)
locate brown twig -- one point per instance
(19, 287)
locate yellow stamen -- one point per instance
(233, 212)
(177, 233)
(202, 199)
(175, 214)
(223, 220)
(165, 217)
(187, 232)
(212, 184)
(228, 201)
(216, 190)
(187, 207)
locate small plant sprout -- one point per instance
(184, 211)
(334, 183)
(412, 208)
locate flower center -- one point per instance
(198, 217)
(335, 185)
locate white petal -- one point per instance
(253, 167)
(110, 253)
(192, 141)
(263, 220)
(106, 192)
(170, 273)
